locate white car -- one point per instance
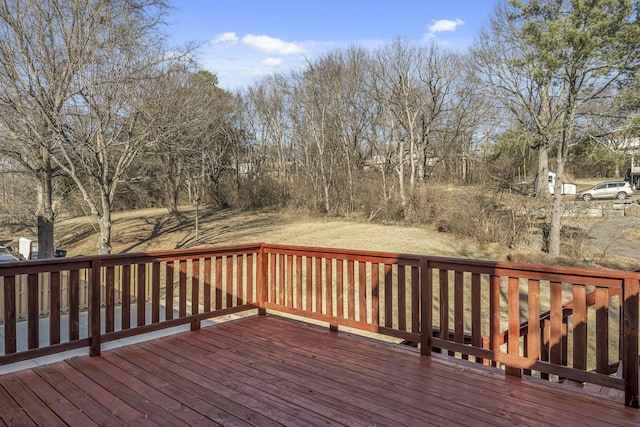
(608, 190)
(5, 255)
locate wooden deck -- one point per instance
(265, 371)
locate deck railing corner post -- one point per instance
(261, 280)
(94, 308)
(630, 356)
(426, 307)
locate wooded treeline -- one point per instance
(97, 114)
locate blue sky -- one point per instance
(242, 40)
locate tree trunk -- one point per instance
(44, 209)
(556, 212)
(542, 187)
(104, 222)
(104, 242)
(401, 184)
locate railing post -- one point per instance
(94, 308)
(426, 307)
(630, 360)
(261, 280)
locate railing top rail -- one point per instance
(352, 254)
(533, 271)
(604, 278)
(125, 258)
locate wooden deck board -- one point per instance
(272, 371)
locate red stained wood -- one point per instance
(375, 293)
(351, 291)
(74, 305)
(415, 299)
(533, 329)
(444, 304)
(458, 312)
(33, 333)
(54, 312)
(218, 283)
(281, 279)
(579, 327)
(388, 295)
(241, 284)
(110, 292)
(141, 292)
(10, 343)
(169, 274)
(155, 292)
(269, 371)
(206, 284)
(362, 291)
(340, 289)
(318, 285)
(182, 288)
(476, 312)
(298, 284)
(402, 298)
(602, 330)
(555, 317)
(308, 284)
(513, 346)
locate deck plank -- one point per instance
(268, 371)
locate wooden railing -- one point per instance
(555, 323)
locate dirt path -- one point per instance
(606, 237)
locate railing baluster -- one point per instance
(228, 290)
(513, 345)
(110, 299)
(351, 291)
(388, 295)
(362, 291)
(533, 328)
(602, 331)
(206, 284)
(10, 330)
(168, 293)
(33, 321)
(318, 284)
(340, 288)
(444, 305)
(415, 299)
(555, 337)
(328, 268)
(375, 293)
(630, 357)
(459, 309)
(299, 282)
(494, 314)
(54, 309)
(281, 279)
(402, 298)
(476, 313)
(74, 305)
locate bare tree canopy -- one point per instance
(71, 78)
(545, 59)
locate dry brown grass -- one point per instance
(155, 229)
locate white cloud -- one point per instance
(226, 38)
(272, 45)
(272, 61)
(444, 25)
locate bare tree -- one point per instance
(552, 57)
(39, 59)
(71, 73)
